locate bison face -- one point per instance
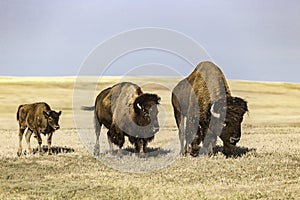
(146, 111)
(230, 114)
(52, 118)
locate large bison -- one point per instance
(126, 111)
(204, 109)
(39, 119)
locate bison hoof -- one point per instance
(97, 150)
(119, 153)
(19, 153)
(27, 152)
(183, 152)
(194, 154)
(96, 153)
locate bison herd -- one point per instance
(204, 109)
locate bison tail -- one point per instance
(87, 108)
(18, 112)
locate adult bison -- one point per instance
(204, 109)
(39, 119)
(126, 111)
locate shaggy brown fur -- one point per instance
(37, 118)
(126, 111)
(194, 98)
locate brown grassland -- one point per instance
(268, 168)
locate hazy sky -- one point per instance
(249, 40)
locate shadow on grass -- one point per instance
(55, 150)
(149, 152)
(238, 152)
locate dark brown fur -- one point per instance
(37, 118)
(126, 111)
(194, 97)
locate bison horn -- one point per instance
(139, 106)
(214, 114)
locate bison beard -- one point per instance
(126, 111)
(204, 108)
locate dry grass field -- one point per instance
(267, 166)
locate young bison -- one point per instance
(37, 118)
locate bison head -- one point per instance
(230, 113)
(146, 111)
(52, 118)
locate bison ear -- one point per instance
(46, 114)
(59, 113)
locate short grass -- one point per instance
(271, 131)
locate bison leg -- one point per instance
(180, 124)
(111, 146)
(209, 143)
(28, 136)
(146, 141)
(196, 142)
(121, 143)
(180, 121)
(192, 124)
(49, 140)
(21, 132)
(97, 132)
(145, 145)
(110, 143)
(136, 142)
(181, 135)
(212, 144)
(39, 139)
(138, 145)
(119, 139)
(116, 136)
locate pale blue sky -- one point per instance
(249, 40)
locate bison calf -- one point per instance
(37, 118)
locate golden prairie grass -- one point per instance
(271, 130)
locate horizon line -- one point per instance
(116, 76)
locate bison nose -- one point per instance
(56, 127)
(234, 140)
